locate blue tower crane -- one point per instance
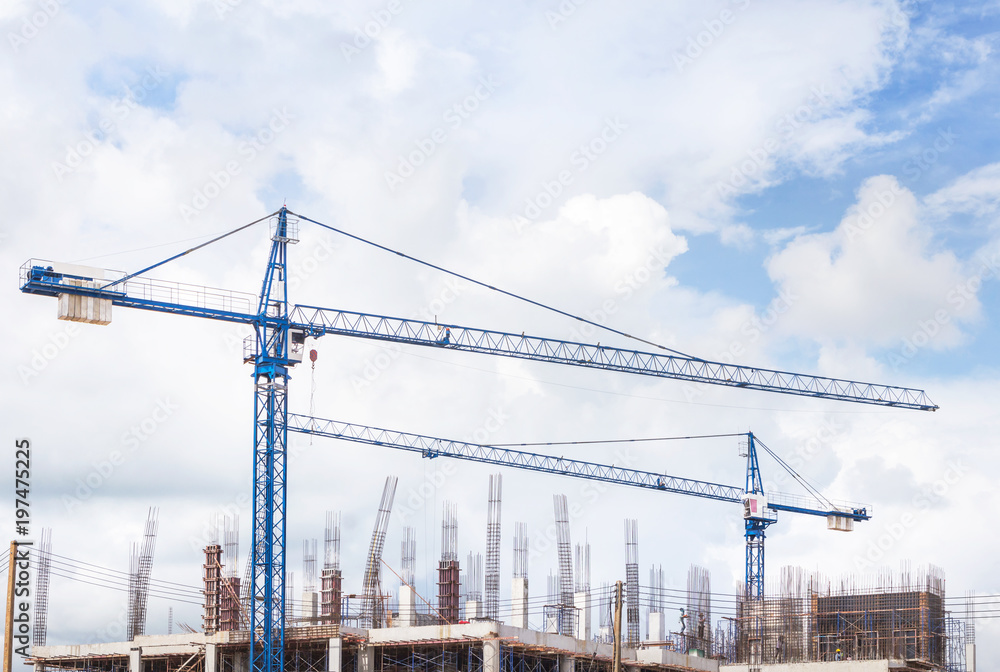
(759, 508)
(88, 295)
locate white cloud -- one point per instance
(977, 192)
(874, 279)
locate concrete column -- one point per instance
(491, 655)
(970, 657)
(135, 660)
(519, 603)
(211, 658)
(366, 659)
(310, 605)
(657, 626)
(567, 664)
(472, 609)
(581, 601)
(334, 654)
(407, 607)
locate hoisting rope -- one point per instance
(313, 355)
(495, 289)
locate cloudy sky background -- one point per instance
(803, 186)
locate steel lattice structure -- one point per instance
(492, 587)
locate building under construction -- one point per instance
(887, 621)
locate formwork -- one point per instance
(449, 590)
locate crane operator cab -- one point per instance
(755, 507)
(296, 345)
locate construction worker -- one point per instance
(683, 620)
(838, 656)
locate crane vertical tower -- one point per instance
(272, 355)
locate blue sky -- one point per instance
(811, 187)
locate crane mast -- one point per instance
(273, 353)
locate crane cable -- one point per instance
(601, 441)
(497, 289)
(188, 251)
(798, 477)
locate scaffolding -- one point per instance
(876, 617)
(699, 608)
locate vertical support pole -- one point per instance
(617, 664)
(8, 643)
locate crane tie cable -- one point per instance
(580, 443)
(495, 289)
(188, 251)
